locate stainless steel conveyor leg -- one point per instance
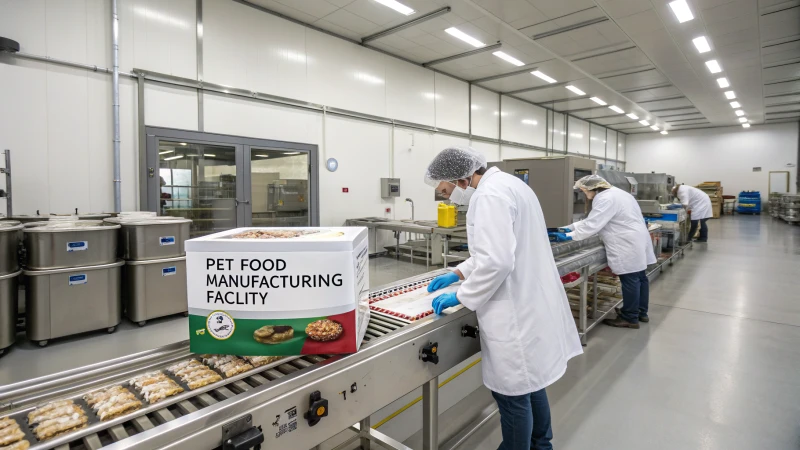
(430, 415)
(594, 296)
(582, 313)
(365, 425)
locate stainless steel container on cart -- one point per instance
(154, 288)
(67, 301)
(149, 238)
(9, 289)
(22, 218)
(10, 237)
(60, 244)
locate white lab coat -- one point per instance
(696, 200)
(526, 327)
(617, 218)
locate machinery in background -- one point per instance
(552, 178)
(643, 186)
(280, 202)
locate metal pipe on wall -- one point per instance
(115, 104)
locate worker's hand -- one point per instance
(674, 206)
(559, 237)
(444, 301)
(442, 281)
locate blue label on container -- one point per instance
(166, 240)
(77, 279)
(78, 246)
(167, 271)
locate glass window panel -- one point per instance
(279, 188)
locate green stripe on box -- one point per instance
(242, 343)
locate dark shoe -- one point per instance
(620, 323)
(701, 240)
(644, 319)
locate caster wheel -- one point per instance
(111, 330)
(2, 352)
(186, 314)
(42, 343)
(141, 324)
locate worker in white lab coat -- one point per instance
(510, 280)
(617, 218)
(698, 204)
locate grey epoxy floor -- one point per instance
(718, 366)
(26, 360)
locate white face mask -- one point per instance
(461, 196)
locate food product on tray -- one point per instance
(258, 361)
(33, 416)
(155, 386)
(273, 234)
(50, 428)
(11, 434)
(194, 373)
(410, 304)
(229, 365)
(112, 402)
(19, 445)
(324, 330)
(273, 334)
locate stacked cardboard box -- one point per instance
(714, 191)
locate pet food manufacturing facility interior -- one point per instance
(402, 224)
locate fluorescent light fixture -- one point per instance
(184, 143)
(633, 116)
(575, 90)
(739, 112)
(506, 57)
(616, 109)
(173, 157)
(543, 76)
(654, 127)
(263, 156)
(745, 125)
(397, 6)
(530, 122)
(598, 101)
(681, 10)
(730, 95)
(723, 82)
(742, 119)
(644, 122)
(210, 155)
(456, 33)
(702, 44)
(165, 152)
(735, 105)
(713, 66)
(292, 153)
(663, 131)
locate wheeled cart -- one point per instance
(154, 288)
(8, 309)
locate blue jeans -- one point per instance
(635, 296)
(525, 421)
(703, 230)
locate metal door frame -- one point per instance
(788, 180)
(242, 146)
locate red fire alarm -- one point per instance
(388, 210)
(345, 190)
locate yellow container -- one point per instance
(447, 215)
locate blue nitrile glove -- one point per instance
(559, 237)
(442, 281)
(444, 301)
(674, 206)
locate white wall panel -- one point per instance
(252, 118)
(485, 110)
(491, 151)
(164, 36)
(229, 30)
(169, 106)
(65, 23)
(129, 147)
(720, 154)
(24, 22)
(522, 122)
(597, 141)
(452, 103)
(558, 133)
(511, 152)
(413, 151)
(344, 75)
(578, 136)
(622, 143)
(410, 92)
(611, 145)
(98, 32)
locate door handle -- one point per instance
(236, 201)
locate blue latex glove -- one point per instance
(559, 237)
(442, 281)
(674, 206)
(444, 301)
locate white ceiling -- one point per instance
(631, 53)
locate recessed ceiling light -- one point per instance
(616, 109)
(742, 119)
(173, 157)
(575, 90)
(397, 6)
(713, 66)
(184, 143)
(654, 127)
(292, 153)
(735, 105)
(598, 101)
(702, 44)
(456, 33)
(633, 116)
(506, 57)
(745, 125)
(165, 152)
(723, 82)
(730, 95)
(664, 132)
(209, 155)
(739, 112)
(681, 10)
(644, 122)
(530, 122)
(263, 156)
(543, 76)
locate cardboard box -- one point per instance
(303, 293)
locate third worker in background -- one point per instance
(698, 204)
(617, 218)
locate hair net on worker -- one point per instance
(454, 163)
(592, 182)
